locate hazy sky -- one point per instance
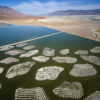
(47, 6)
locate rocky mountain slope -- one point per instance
(76, 12)
(6, 13)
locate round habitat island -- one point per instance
(48, 73)
(19, 69)
(73, 90)
(64, 59)
(82, 70)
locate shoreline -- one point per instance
(79, 25)
(31, 39)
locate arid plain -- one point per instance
(77, 25)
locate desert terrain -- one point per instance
(82, 26)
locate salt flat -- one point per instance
(9, 60)
(41, 58)
(48, 52)
(29, 53)
(37, 93)
(92, 59)
(48, 73)
(64, 52)
(65, 59)
(81, 52)
(94, 96)
(82, 70)
(95, 49)
(69, 90)
(29, 47)
(14, 52)
(5, 48)
(21, 44)
(19, 69)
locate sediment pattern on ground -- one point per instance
(30, 94)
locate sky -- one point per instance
(37, 7)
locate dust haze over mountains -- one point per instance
(9, 13)
(76, 12)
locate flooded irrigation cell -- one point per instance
(52, 66)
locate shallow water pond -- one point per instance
(57, 42)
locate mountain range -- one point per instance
(75, 12)
(9, 13)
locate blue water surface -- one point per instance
(13, 33)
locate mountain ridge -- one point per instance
(7, 13)
(75, 12)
